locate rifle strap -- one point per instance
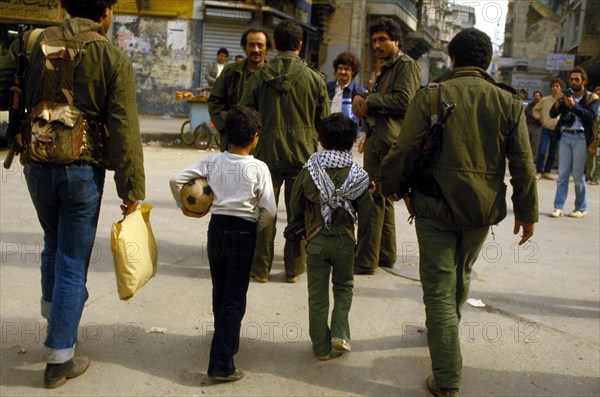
(434, 102)
(391, 74)
(33, 36)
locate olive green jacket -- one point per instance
(305, 204)
(104, 89)
(292, 99)
(227, 91)
(487, 127)
(387, 105)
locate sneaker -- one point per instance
(258, 279)
(56, 375)
(547, 175)
(291, 279)
(577, 214)
(236, 375)
(341, 344)
(440, 391)
(538, 176)
(324, 358)
(556, 213)
(595, 183)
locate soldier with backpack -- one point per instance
(79, 90)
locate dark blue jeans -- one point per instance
(547, 145)
(231, 242)
(67, 201)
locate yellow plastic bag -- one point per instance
(135, 254)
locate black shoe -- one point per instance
(440, 391)
(386, 265)
(359, 270)
(56, 375)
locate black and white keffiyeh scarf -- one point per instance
(330, 197)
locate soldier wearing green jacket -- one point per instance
(292, 100)
(384, 108)
(75, 70)
(230, 84)
(460, 191)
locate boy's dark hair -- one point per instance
(90, 9)
(241, 124)
(223, 50)
(337, 132)
(471, 47)
(558, 81)
(287, 35)
(254, 30)
(388, 25)
(348, 59)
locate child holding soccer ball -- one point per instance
(243, 203)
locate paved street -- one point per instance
(539, 334)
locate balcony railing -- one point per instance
(407, 5)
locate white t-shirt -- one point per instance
(241, 184)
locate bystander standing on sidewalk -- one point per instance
(578, 110)
(546, 151)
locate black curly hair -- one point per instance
(471, 47)
(90, 9)
(337, 132)
(348, 59)
(241, 124)
(388, 25)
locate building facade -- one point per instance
(172, 42)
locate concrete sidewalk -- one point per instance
(539, 334)
(164, 128)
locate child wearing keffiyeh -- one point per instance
(331, 193)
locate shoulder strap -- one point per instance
(35, 33)
(62, 55)
(389, 76)
(434, 102)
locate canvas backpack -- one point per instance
(60, 132)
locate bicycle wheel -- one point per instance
(187, 135)
(202, 136)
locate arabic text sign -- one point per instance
(560, 61)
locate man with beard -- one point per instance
(230, 84)
(578, 109)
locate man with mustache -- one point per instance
(291, 97)
(384, 109)
(230, 84)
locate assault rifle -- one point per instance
(16, 108)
